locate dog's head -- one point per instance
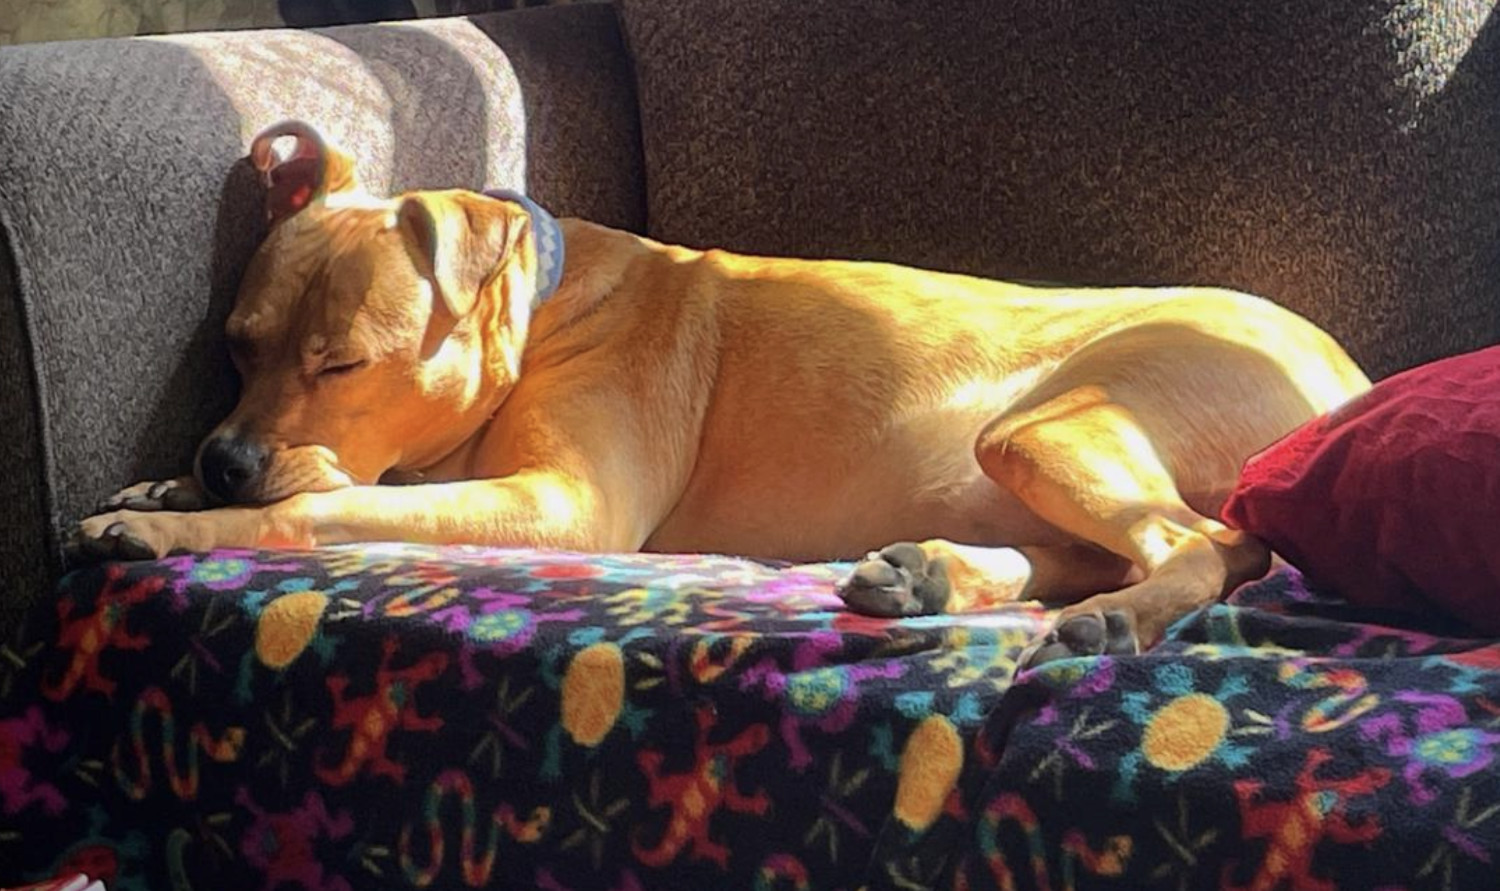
(369, 334)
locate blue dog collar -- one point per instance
(550, 249)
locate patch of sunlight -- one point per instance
(368, 96)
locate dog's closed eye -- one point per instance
(334, 369)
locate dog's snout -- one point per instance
(229, 466)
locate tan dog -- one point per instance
(677, 400)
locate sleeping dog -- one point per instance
(544, 383)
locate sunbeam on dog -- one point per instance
(547, 383)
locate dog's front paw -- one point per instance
(180, 494)
(128, 535)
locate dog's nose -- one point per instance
(228, 466)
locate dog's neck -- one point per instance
(600, 259)
(546, 234)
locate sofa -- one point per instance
(392, 716)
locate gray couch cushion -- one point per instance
(1342, 157)
(128, 212)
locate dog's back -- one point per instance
(821, 407)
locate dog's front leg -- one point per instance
(539, 509)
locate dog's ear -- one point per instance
(459, 239)
(311, 169)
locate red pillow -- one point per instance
(1393, 500)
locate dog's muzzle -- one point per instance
(230, 468)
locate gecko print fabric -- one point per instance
(397, 717)
(1278, 741)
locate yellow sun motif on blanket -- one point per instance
(930, 763)
(287, 626)
(1185, 722)
(593, 693)
(1184, 732)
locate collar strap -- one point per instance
(545, 231)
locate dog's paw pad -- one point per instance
(1084, 634)
(899, 580)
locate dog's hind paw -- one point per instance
(180, 494)
(898, 580)
(1108, 633)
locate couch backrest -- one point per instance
(127, 212)
(1339, 156)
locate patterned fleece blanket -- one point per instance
(399, 717)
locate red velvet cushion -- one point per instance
(1394, 499)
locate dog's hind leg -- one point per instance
(1144, 558)
(1085, 464)
(1108, 445)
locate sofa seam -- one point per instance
(632, 59)
(32, 357)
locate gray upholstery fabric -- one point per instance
(24, 539)
(1340, 156)
(129, 212)
(583, 146)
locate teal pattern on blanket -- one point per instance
(404, 717)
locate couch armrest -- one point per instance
(127, 213)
